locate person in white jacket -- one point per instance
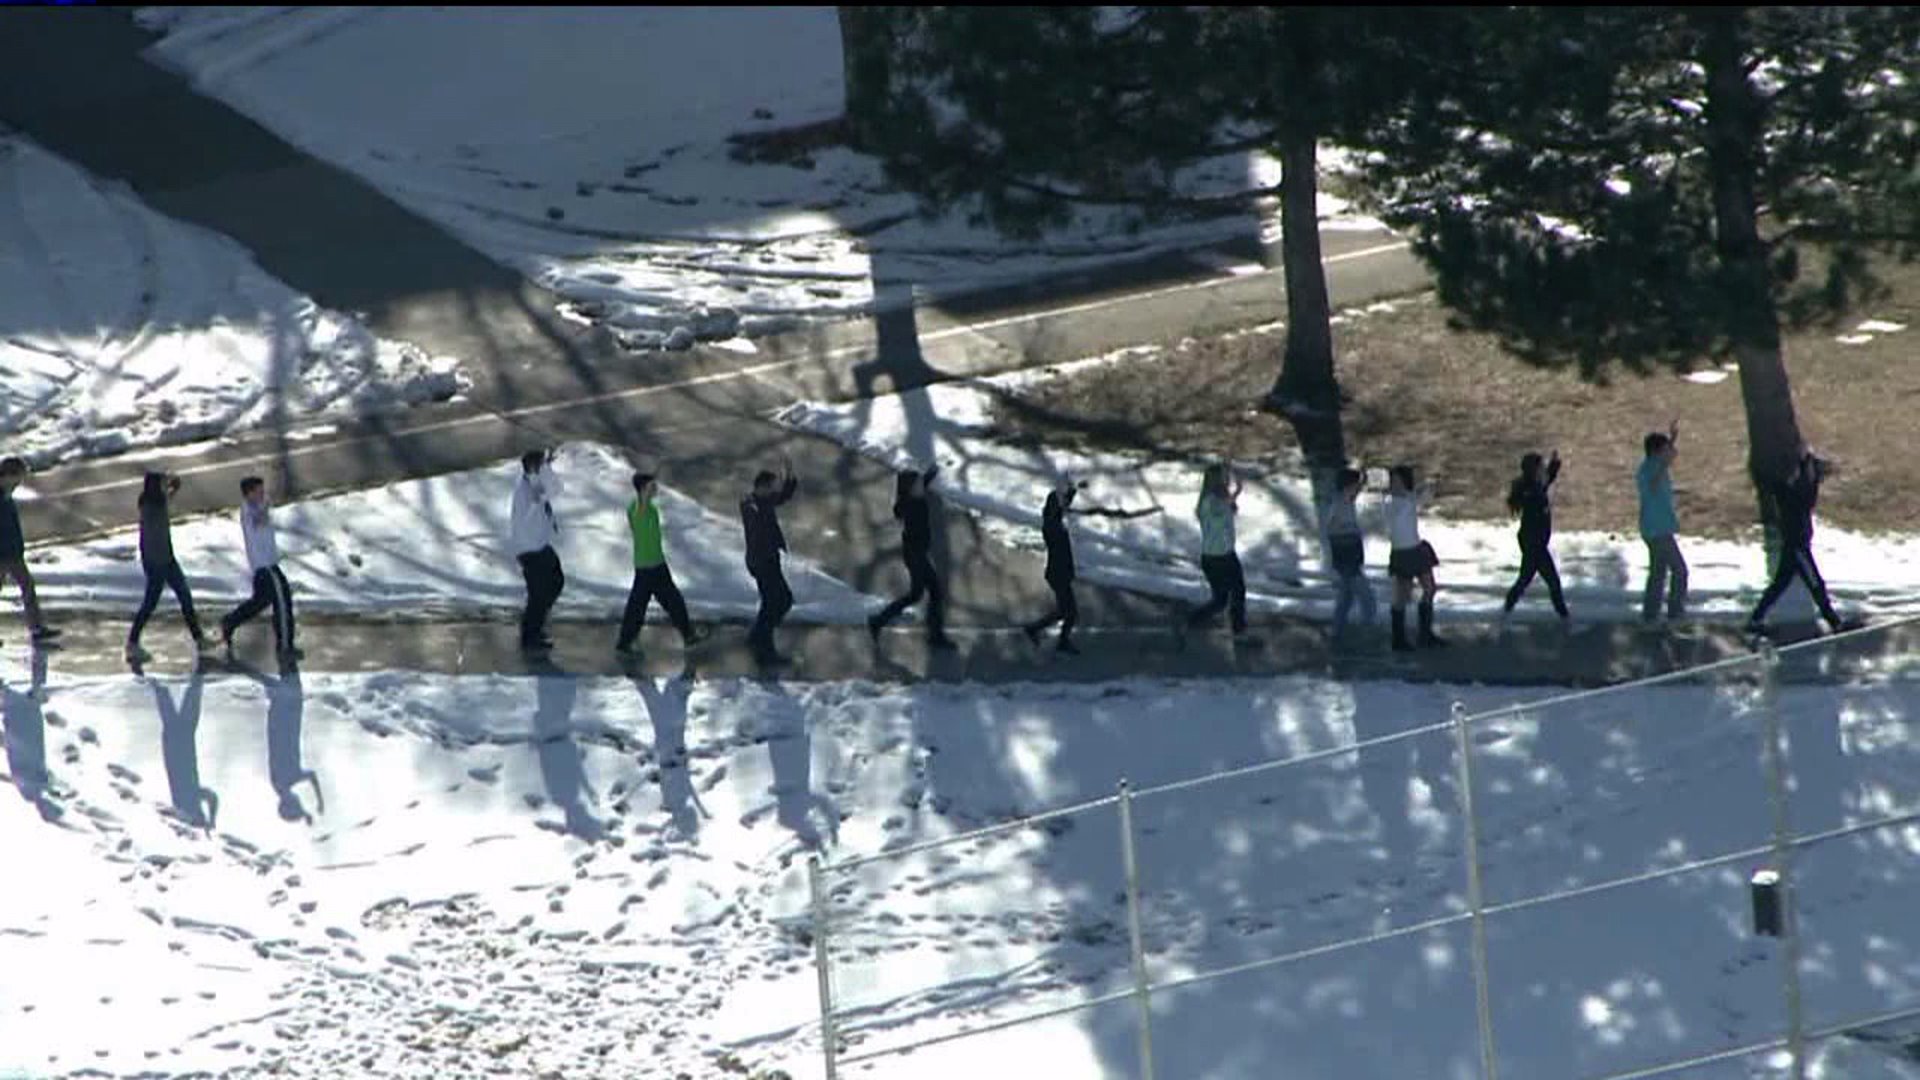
(270, 588)
(533, 531)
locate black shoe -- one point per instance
(625, 649)
(942, 643)
(873, 628)
(1068, 647)
(1400, 642)
(1033, 634)
(291, 653)
(695, 635)
(536, 646)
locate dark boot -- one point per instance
(1427, 636)
(1400, 642)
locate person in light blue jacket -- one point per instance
(1660, 527)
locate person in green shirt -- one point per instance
(651, 576)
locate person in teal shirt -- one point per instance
(651, 575)
(1660, 526)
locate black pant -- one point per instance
(1535, 558)
(921, 581)
(545, 581)
(270, 589)
(776, 599)
(648, 583)
(1066, 609)
(163, 576)
(1229, 585)
(1796, 561)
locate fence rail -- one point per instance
(1781, 848)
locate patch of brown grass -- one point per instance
(1460, 406)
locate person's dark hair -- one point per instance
(251, 484)
(1348, 478)
(764, 478)
(1529, 468)
(640, 482)
(1214, 480)
(153, 488)
(13, 466)
(532, 460)
(1657, 442)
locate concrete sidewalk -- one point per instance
(1530, 656)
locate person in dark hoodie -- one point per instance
(760, 519)
(1531, 498)
(13, 550)
(158, 561)
(914, 511)
(1794, 497)
(1060, 572)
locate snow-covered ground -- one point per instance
(439, 546)
(122, 329)
(589, 148)
(394, 875)
(1006, 484)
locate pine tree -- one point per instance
(1028, 113)
(1654, 186)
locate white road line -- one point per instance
(730, 375)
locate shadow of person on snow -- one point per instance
(562, 765)
(286, 713)
(194, 803)
(26, 730)
(667, 711)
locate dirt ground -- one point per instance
(1462, 408)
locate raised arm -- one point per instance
(1553, 469)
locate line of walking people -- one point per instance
(1411, 564)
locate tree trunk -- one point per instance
(1734, 123)
(865, 55)
(1306, 392)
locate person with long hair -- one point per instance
(1217, 508)
(913, 509)
(158, 562)
(1410, 559)
(1530, 497)
(1347, 549)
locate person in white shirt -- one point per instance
(270, 588)
(533, 529)
(1411, 558)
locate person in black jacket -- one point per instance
(915, 513)
(13, 550)
(157, 560)
(1794, 498)
(760, 518)
(1531, 498)
(1060, 571)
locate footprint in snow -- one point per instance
(485, 774)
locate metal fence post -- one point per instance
(1476, 903)
(1782, 857)
(829, 1038)
(1141, 992)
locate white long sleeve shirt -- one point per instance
(1403, 520)
(256, 530)
(533, 526)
